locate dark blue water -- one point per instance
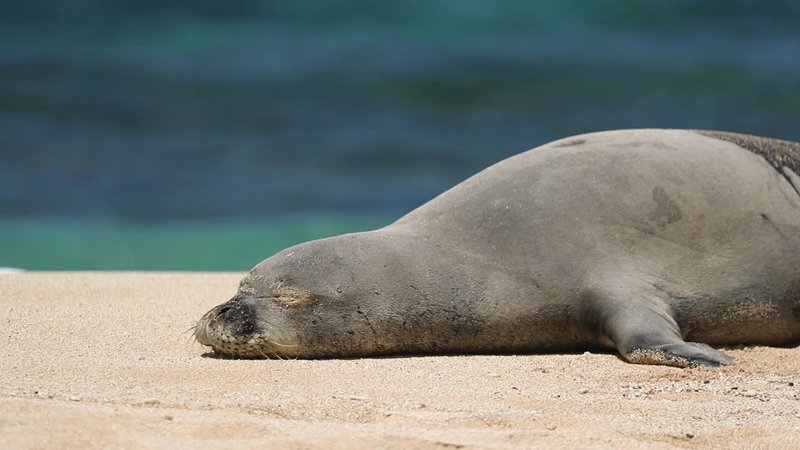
(119, 115)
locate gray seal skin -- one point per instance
(654, 242)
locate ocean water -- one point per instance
(102, 244)
(205, 135)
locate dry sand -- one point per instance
(104, 360)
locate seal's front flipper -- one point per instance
(640, 324)
(682, 354)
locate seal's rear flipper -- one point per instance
(640, 324)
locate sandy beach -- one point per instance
(107, 360)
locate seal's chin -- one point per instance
(233, 329)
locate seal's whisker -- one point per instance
(272, 354)
(261, 352)
(281, 345)
(192, 338)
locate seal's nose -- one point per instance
(221, 310)
(237, 314)
(234, 318)
(210, 320)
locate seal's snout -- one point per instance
(234, 320)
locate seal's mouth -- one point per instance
(234, 329)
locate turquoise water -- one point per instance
(98, 244)
(260, 114)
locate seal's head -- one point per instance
(311, 300)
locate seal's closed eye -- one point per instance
(288, 295)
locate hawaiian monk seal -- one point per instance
(653, 242)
